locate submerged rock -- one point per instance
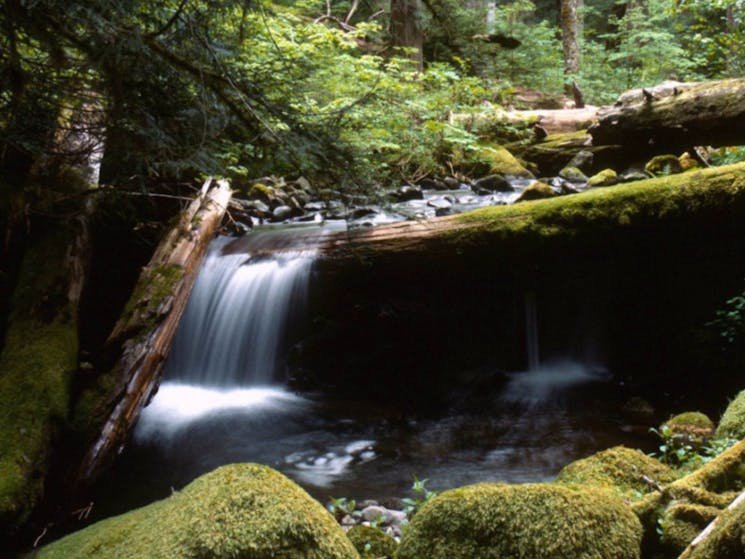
(241, 510)
(606, 177)
(732, 423)
(539, 521)
(620, 468)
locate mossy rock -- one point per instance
(539, 521)
(240, 510)
(572, 174)
(620, 468)
(688, 162)
(692, 428)
(606, 177)
(536, 190)
(663, 165)
(682, 522)
(260, 191)
(37, 365)
(372, 543)
(501, 161)
(732, 423)
(727, 539)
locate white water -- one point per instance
(233, 329)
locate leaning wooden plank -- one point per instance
(145, 330)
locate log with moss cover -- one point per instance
(673, 117)
(240, 510)
(539, 521)
(696, 198)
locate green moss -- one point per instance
(36, 369)
(599, 210)
(606, 177)
(727, 540)
(572, 174)
(663, 165)
(260, 191)
(536, 191)
(536, 521)
(372, 543)
(690, 420)
(620, 468)
(237, 511)
(732, 423)
(501, 161)
(681, 523)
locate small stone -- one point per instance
(582, 160)
(439, 204)
(572, 174)
(632, 176)
(452, 183)
(433, 184)
(348, 520)
(663, 165)
(281, 213)
(492, 183)
(536, 191)
(314, 207)
(606, 177)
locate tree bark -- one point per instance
(673, 117)
(405, 29)
(145, 330)
(570, 38)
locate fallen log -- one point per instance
(704, 535)
(673, 118)
(553, 121)
(146, 327)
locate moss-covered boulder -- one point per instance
(501, 162)
(691, 428)
(606, 177)
(572, 174)
(681, 523)
(732, 423)
(539, 521)
(621, 468)
(663, 165)
(536, 190)
(688, 162)
(241, 510)
(727, 539)
(372, 543)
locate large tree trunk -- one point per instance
(145, 330)
(405, 28)
(570, 38)
(673, 117)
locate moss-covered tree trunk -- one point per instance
(37, 365)
(672, 118)
(106, 413)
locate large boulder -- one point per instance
(240, 510)
(732, 423)
(623, 469)
(539, 521)
(501, 162)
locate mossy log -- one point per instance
(710, 529)
(674, 118)
(145, 330)
(522, 228)
(37, 365)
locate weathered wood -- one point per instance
(554, 121)
(146, 328)
(673, 117)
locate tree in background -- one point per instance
(406, 31)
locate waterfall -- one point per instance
(234, 326)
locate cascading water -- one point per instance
(233, 327)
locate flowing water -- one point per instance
(223, 400)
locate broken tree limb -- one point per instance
(673, 117)
(145, 329)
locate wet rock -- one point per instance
(572, 174)
(258, 208)
(439, 203)
(281, 213)
(359, 213)
(452, 183)
(433, 184)
(314, 207)
(606, 177)
(492, 183)
(565, 187)
(688, 162)
(536, 191)
(632, 176)
(303, 184)
(582, 160)
(261, 191)
(383, 515)
(408, 192)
